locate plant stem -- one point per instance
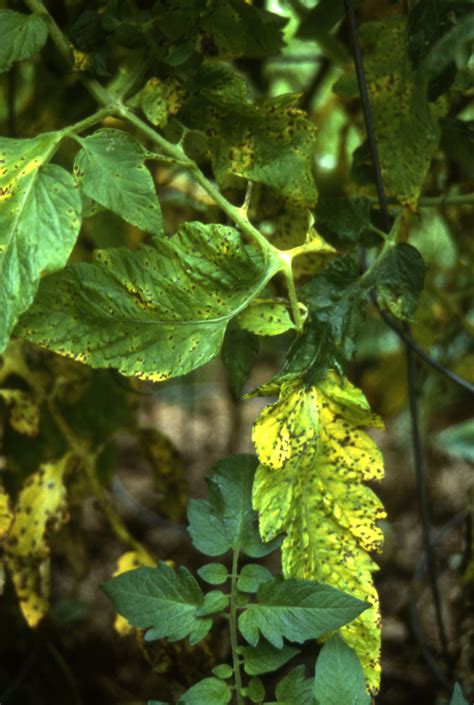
(88, 460)
(82, 125)
(233, 628)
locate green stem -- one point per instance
(290, 283)
(87, 122)
(233, 628)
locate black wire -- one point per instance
(411, 368)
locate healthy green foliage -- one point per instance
(170, 603)
(296, 610)
(163, 600)
(339, 678)
(21, 36)
(155, 313)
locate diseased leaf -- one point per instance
(270, 142)
(169, 472)
(266, 317)
(162, 600)
(25, 414)
(339, 677)
(155, 313)
(227, 519)
(314, 457)
(399, 278)
(296, 610)
(265, 658)
(41, 507)
(21, 36)
(406, 128)
(6, 516)
(239, 350)
(111, 169)
(295, 689)
(161, 98)
(40, 217)
(212, 691)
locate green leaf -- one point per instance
(213, 573)
(458, 440)
(339, 676)
(163, 600)
(457, 697)
(265, 658)
(321, 19)
(295, 689)
(337, 300)
(223, 671)
(227, 519)
(156, 313)
(297, 610)
(342, 220)
(406, 126)
(453, 46)
(271, 142)
(214, 601)
(399, 280)
(266, 317)
(255, 690)
(21, 36)
(239, 350)
(111, 169)
(252, 576)
(40, 219)
(211, 691)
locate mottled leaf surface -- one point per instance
(155, 313)
(111, 169)
(314, 457)
(40, 216)
(41, 507)
(21, 36)
(266, 317)
(407, 130)
(399, 279)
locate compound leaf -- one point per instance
(314, 457)
(339, 676)
(21, 36)
(163, 600)
(111, 169)
(39, 222)
(156, 313)
(296, 610)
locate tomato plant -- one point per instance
(184, 180)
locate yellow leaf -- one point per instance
(6, 516)
(41, 507)
(129, 561)
(169, 472)
(25, 414)
(314, 457)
